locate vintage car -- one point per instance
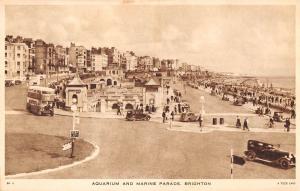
(188, 117)
(17, 82)
(268, 153)
(9, 83)
(278, 116)
(239, 101)
(185, 105)
(137, 116)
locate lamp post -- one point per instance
(202, 101)
(74, 109)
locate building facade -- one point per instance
(16, 59)
(131, 61)
(40, 57)
(145, 63)
(31, 59)
(61, 59)
(99, 61)
(78, 57)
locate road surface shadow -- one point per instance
(270, 164)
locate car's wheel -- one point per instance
(148, 118)
(250, 155)
(28, 107)
(284, 163)
(39, 113)
(51, 113)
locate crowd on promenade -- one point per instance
(264, 99)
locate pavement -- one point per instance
(176, 125)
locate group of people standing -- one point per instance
(245, 123)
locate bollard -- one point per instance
(221, 121)
(215, 121)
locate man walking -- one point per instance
(287, 124)
(200, 122)
(172, 115)
(245, 125)
(238, 123)
(271, 123)
(164, 116)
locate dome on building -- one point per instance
(76, 81)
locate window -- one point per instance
(18, 47)
(18, 63)
(6, 64)
(18, 72)
(18, 55)
(5, 54)
(5, 47)
(5, 71)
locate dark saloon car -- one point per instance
(188, 117)
(9, 83)
(137, 116)
(278, 116)
(268, 153)
(239, 102)
(18, 82)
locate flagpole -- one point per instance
(231, 163)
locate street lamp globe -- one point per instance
(202, 100)
(74, 100)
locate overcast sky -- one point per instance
(257, 40)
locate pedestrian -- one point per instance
(119, 110)
(168, 101)
(238, 123)
(271, 124)
(153, 108)
(287, 124)
(172, 115)
(293, 114)
(245, 125)
(164, 116)
(175, 109)
(200, 122)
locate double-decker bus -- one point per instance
(40, 100)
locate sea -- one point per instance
(279, 82)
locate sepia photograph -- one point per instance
(157, 94)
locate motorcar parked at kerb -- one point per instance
(188, 117)
(185, 105)
(239, 101)
(9, 83)
(18, 82)
(135, 115)
(257, 150)
(278, 116)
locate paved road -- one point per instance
(148, 149)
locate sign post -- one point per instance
(74, 133)
(231, 163)
(202, 101)
(234, 159)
